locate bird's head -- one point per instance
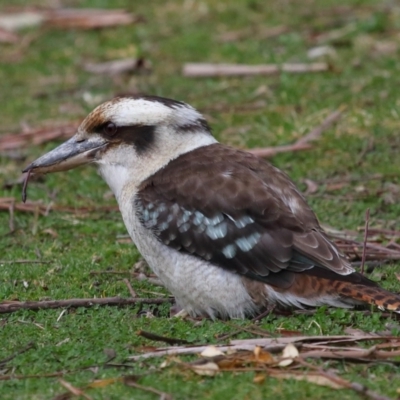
(130, 137)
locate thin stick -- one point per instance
(364, 253)
(12, 306)
(130, 288)
(357, 387)
(128, 381)
(304, 142)
(249, 344)
(29, 346)
(50, 375)
(11, 224)
(24, 262)
(271, 151)
(158, 338)
(327, 123)
(197, 70)
(73, 390)
(24, 187)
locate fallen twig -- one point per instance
(73, 390)
(364, 253)
(357, 387)
(117, 67)
(12, 306)
(49, 375)
(38, 135)
(158, 338)
(43, 209)
(24, 262)
(29, 346)
(272, 151)
(7, 36)
(89, 18)
(197, 70)
(130, 288)
(304, 142)
(250, 344)
(264, 33)
(11, 224)
(131, 381)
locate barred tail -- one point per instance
(375, 295)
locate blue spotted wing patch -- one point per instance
(238, 212)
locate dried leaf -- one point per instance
(211, 351)
(165, 364)
(207, 369)
(230, 363)
(99, 383)
(262, 356)
(259, 378)
(289, 353)
(312, 187)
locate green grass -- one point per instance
(45, 82)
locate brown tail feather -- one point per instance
(336, 290)
(383, 299)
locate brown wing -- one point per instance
(237, 211)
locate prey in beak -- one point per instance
(76, 151)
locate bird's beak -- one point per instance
(74, 152)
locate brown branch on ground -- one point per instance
(304, 142)
(71, 390)
(11, 223)
(158, 338)
(130, 288)
(38, 136)
(49, 375)
(364, 253)
(44, 210)
(258, 355)
(197, 70)
(12, 306)
(29, 346)
(131, 381)
(357, 387)
(24, 262)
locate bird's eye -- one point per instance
(110, 129)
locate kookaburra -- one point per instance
(227, 233)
